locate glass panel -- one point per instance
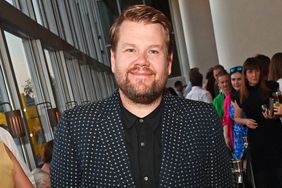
(27, 92)
(10, 1)
(108, 13)
(55, 78)
(3, 99)
(37, 11)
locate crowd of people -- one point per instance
(248, 101)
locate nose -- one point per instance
(142, 59)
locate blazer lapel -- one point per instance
(113, 138)
(171, 149)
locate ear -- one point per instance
(113, 61)
(170, 59)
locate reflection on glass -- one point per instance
(37, 11)
(27, 93)
(55, 87)
(10, 1)
(108, 13)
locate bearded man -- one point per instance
(141, 137)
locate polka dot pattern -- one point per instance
(90, 149)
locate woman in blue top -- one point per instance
(239, 131)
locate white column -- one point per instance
(179, 39)
(244, 28)
(198, 33)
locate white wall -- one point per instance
(244, 28)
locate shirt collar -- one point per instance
(130, 119)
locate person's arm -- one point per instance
(218, 166)
(7, 138)
(207, 97)
(226, 137)
(238, 113)
(225, 127)
(21, 180)
(64, 165)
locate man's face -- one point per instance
(224, 83)
(140, 62)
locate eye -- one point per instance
(153, 51)
(130, 50)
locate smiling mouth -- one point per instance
(141, 71)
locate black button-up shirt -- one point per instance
(143, 142)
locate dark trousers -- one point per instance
(268, 178)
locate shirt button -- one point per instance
(146, 178)
(142, 144)
(141, 120)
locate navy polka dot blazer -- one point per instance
(90, 148)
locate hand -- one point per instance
(250, 123)
(277, 110)
(267, 114)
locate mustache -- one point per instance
(145, 69)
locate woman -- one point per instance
(11, 173)
(264, 135)
(239, 131)
(275, 69)
(275, 74)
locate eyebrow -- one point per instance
(133, 45)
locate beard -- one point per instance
(140, 91)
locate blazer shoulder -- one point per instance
(187, 106)
(93, 110)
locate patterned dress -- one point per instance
(239, 132)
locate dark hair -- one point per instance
(275, 67)
(142, 13)
(218, 66)
(210, 82)
(48, 152)
(263, 62)
(196, 78)
(222, 73)
(171, 91)
(252, 64)
(178, 83)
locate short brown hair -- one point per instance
(196, 78)
(142, 13)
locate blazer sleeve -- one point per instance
(218, 166)
(65, 170)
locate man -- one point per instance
(139, 137)
(225, 87)
(178, 85)
(198, 93)
(216, 70)
(222, 104)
